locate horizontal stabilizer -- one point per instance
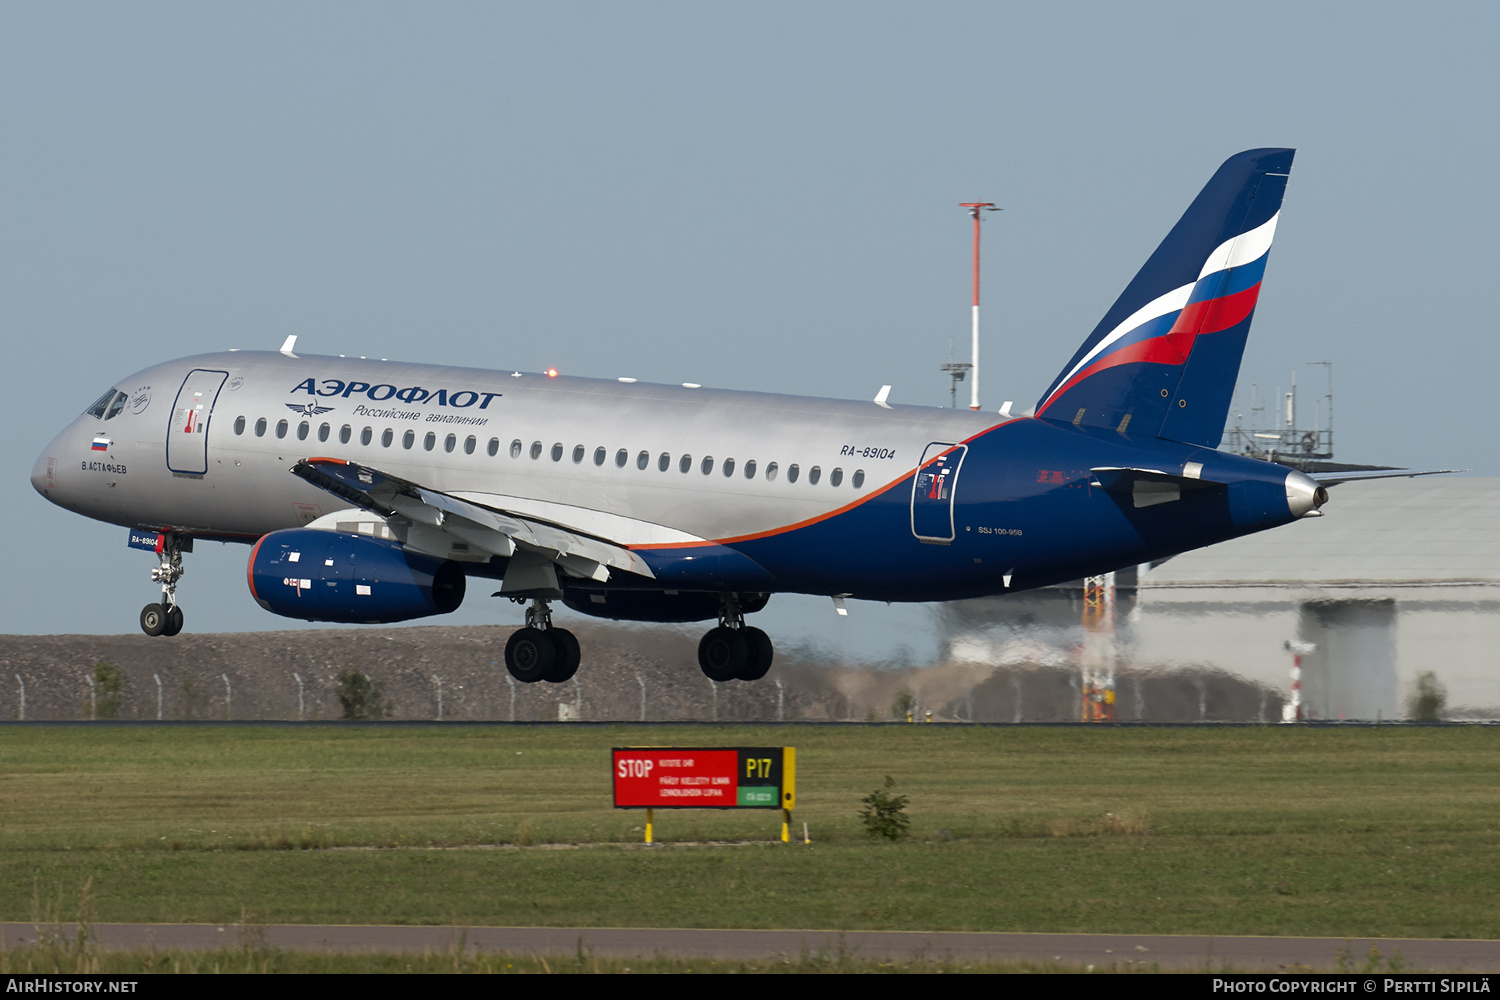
(1334, 478)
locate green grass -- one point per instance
(1275, 830)
(70, 959)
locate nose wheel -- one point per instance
(541, 651)
(157, 620)
(166, 618)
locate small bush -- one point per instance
(1428, 700)
(884, 814)
(109, 683)
(362, 698)
(902, 704)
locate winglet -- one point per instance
(286, 348)
(882, 396)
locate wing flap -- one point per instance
(491, 531)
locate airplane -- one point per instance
(374, 491)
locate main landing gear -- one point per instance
(734, 650)
(166, 618)
(541, 651)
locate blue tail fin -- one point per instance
(1164, 359)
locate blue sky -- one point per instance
(759, 196)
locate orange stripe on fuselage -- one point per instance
(821, 517)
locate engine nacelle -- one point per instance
(335, 576)
(653, 605)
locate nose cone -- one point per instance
(44, 474)
(1304, 497)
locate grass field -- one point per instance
(1278, 830)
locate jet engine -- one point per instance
(335, 576)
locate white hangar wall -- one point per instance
(1399, 577)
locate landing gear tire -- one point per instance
(174, 620)
(529, 655)
(153, 619)
(760, 653)
(723, 653)
(569, 655)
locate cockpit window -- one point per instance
(97, 410)
(115, 406)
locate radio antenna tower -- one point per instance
(976, 207)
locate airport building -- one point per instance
(1400, 577)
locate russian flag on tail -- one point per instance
(1164, 359)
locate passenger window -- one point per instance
(408, 439)
(685, 463)
(281, 428)
(642, 460)
(450, 442)
(239, 425)
(728, 467)
(859, 479)
(621, 457)
(600, 455)
(470, 443)
(260, 427)
(557, 452)
(578, 453)
(302, 430)
(536, 450)
(813, 474)
(771, 473)
(386, 437)
(835, 477)
(664, 462)
(494, 447)
(707, 465)
(750, 469)
(515, 448)
(429, 441)
(323, 431)
(366, 436)
(792, 472)
(344, 434)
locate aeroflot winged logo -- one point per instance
(460, 398)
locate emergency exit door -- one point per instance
(932, 492)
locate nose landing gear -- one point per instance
(166, 618)
(734, 650)
(541, 651)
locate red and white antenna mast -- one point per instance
(975, 207)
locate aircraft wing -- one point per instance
(532, 545)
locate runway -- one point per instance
(1101, 951)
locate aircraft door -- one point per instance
(187, 435)
(932, 492)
